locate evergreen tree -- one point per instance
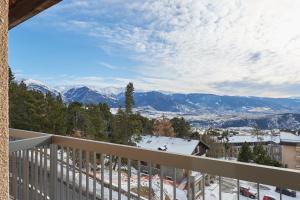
(11, 77)
(259, 154)
(245, 154)
(181, 127)
(97, 119)
(129, 101)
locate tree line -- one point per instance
(35, 111)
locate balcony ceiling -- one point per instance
(21, 10)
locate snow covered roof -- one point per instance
(253, 139)
(169, 144)
(289, 137)
(284, 137)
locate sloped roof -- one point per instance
(286, 137)
(21, 10)
(168, 144)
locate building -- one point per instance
(290, 148)
(283, 147)
(173, 145)
(178, 146)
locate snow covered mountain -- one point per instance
(89, 96)
(191, 104)
(39, 86)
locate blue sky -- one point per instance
(232, 47)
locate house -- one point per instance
(172, 145)
(178, 146)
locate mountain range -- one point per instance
(193, 103)
(201, 110)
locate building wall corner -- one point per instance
(4, 119)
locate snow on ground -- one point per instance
(230, 193)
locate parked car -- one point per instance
(287, 192)
(248, 193)
(269, 197)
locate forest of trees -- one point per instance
(33, 110)
(258, 155)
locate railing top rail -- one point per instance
(281, 177)
(23, 134)
(28, 143)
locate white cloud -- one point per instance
(200, 45)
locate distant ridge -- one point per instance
(193, 103)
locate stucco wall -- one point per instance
(3, 100)
(289, 156)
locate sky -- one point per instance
(227, 47)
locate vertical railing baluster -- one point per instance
(61, 172)
(188, 185)
(32, 191)
(26, 175)
(238, 189)
(102, 176)
(41, 173)
(128, 177)
(19, 164)
(139, 179)
(258, 194)
(87, 171)
(45, 173)
(54, 171)
(36, 173)
(10, 174)
(203, 186)
(150, 180)
(80, 174)
(15, 176)
(174, 184)
(73, 174)
(94, 176)
(67, 171)
(161, 183)
(280, 195)
(52, 189)
(119, 178)
(220, 187)
(110, 177)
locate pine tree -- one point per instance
(129, 101)
(181, 127)
(11, 77)
(245, 154)
(259, 154)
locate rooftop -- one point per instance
(169, 144)
(283, 137)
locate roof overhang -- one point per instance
(21, 10)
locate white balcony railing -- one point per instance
(44, 166)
